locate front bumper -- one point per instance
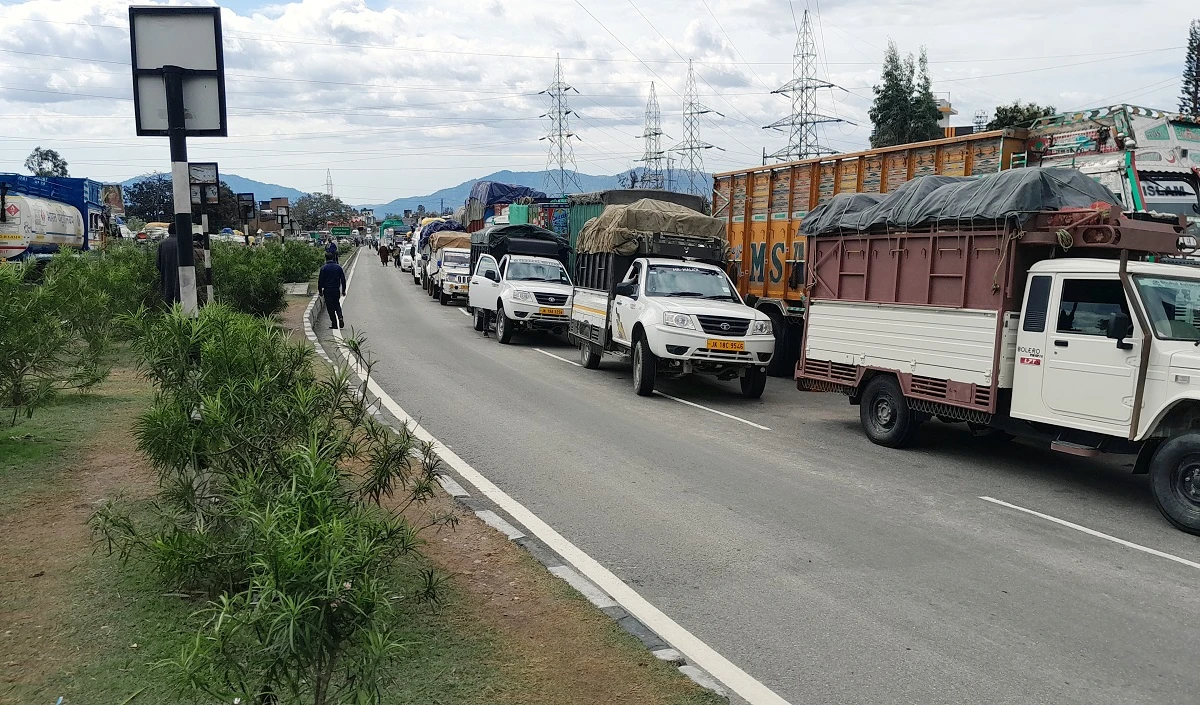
(535, 316)
(672, 343)
(454, 288)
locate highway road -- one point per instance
(830, 569)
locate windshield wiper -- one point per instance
(721, 297)
(685, 293)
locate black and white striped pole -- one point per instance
(181, 187)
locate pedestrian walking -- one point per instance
(167, 260)
(384, 253)
(331, 282)
(331, 250)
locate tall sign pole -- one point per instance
(179, 90)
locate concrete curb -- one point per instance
(544, 555)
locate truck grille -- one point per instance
(550, 299)
(724, 325)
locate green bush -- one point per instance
(297, 261)
(260, 511)
(248, 279)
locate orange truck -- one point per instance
(763, 206)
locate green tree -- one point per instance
(226, 213)
(1189, 95)
(891, 113)
(46, 162)
(150, 199)
(316, 210)
(924, 116)
(1017, 114)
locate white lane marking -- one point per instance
(698, 652)
(585, 587)
(465, 312)
(718, 413)
(556, 357)
(350, 274)
(1097, 534)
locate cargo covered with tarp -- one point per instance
(625, 196)
(1014, 195)
(523, 239)
(437, 225)
(485, 195)
(621, 229)
(449, 238)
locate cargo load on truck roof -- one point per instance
(996, 198)
(521, 239)
(437, 225)
(449, 238)
(625, 196)
(623, 229)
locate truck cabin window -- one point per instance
(1087, 304)
(456, 259)
(690, 282)
(485, 265)
(519, 271)
(1173, 305)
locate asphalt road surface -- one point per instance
(830, 569)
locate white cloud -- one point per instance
(400, 98)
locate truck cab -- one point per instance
(451, 272)
(520, 292)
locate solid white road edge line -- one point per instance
(718, 413)
(556, 357)
(698, 652)
(1097, 534)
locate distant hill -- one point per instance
(455, 196)
(262, 191)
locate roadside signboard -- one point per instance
(188, 38)
(204, 180)
(246, 205)
(340, 231)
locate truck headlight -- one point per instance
(522, 295)
(760, 328)
(678, 320)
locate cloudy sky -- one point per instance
(401, 98)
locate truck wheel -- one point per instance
(442, 298)
(480, 320)
(884, 414)
(643, 368)
(504, 327)
(1175, 481)
(754, 382)
(588, 357)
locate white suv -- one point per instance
(520, 293)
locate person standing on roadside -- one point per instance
(332, 250)
(167, 260)
(331, 281)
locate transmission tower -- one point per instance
(801, 125)
(328, 182)
(652, 177)
(560, 159)
(981, 120)
(691, 149)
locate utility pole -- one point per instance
(801, 125)
(560, 158)
(691, 149)
(328, 183)
(652, 157)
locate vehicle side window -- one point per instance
(1087, 304)
(486, 264)
(1035, 307)
(503, 267)
(635, 276)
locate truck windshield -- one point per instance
(693, 282)
(1173, 305)
(537, 272)
(457, 259)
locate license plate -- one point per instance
(731, 345)
(550, 311)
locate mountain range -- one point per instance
(451, 197)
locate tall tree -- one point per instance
(150, 199)
(923, 121)
(46, 162)
(316, 210)
(1189, 96)
(1017, 114)
(891, 112)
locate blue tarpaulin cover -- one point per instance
(492, 192)
(436, 227)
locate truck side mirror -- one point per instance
(625, 289)
(492, 275)
(1120, 327)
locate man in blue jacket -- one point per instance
(332, 284)
(331, 250)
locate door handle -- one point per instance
(1060, 343)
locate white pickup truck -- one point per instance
(520, 292)
(450, 265)
(647, 286)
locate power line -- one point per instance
(560, 154)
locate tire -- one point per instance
(754, 382)
(1175, 481)
(504, 326)
(443, 299)
(480, 320)
(884, 414)
(588, 357)
(644, 368)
